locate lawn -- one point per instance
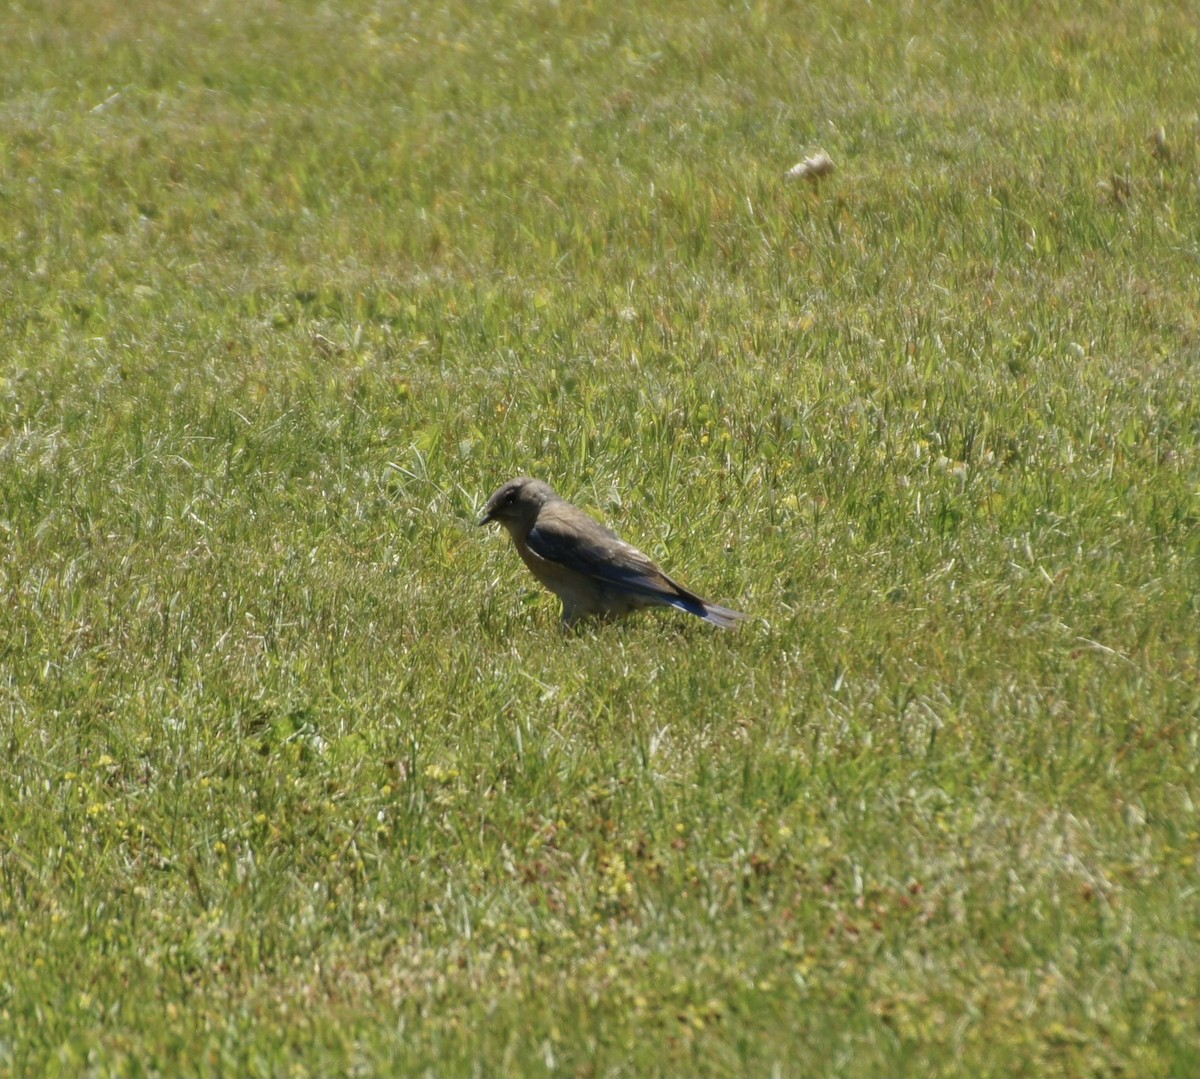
(300, 775)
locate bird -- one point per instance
(589, 567)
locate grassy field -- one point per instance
(299, 774)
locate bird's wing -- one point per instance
(568, 537)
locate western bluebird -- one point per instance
(588, 567)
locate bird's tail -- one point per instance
(725, 617)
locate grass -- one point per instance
(300, 776)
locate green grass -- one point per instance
(299, 775)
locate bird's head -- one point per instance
(516, 504)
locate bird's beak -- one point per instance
(487, 518)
